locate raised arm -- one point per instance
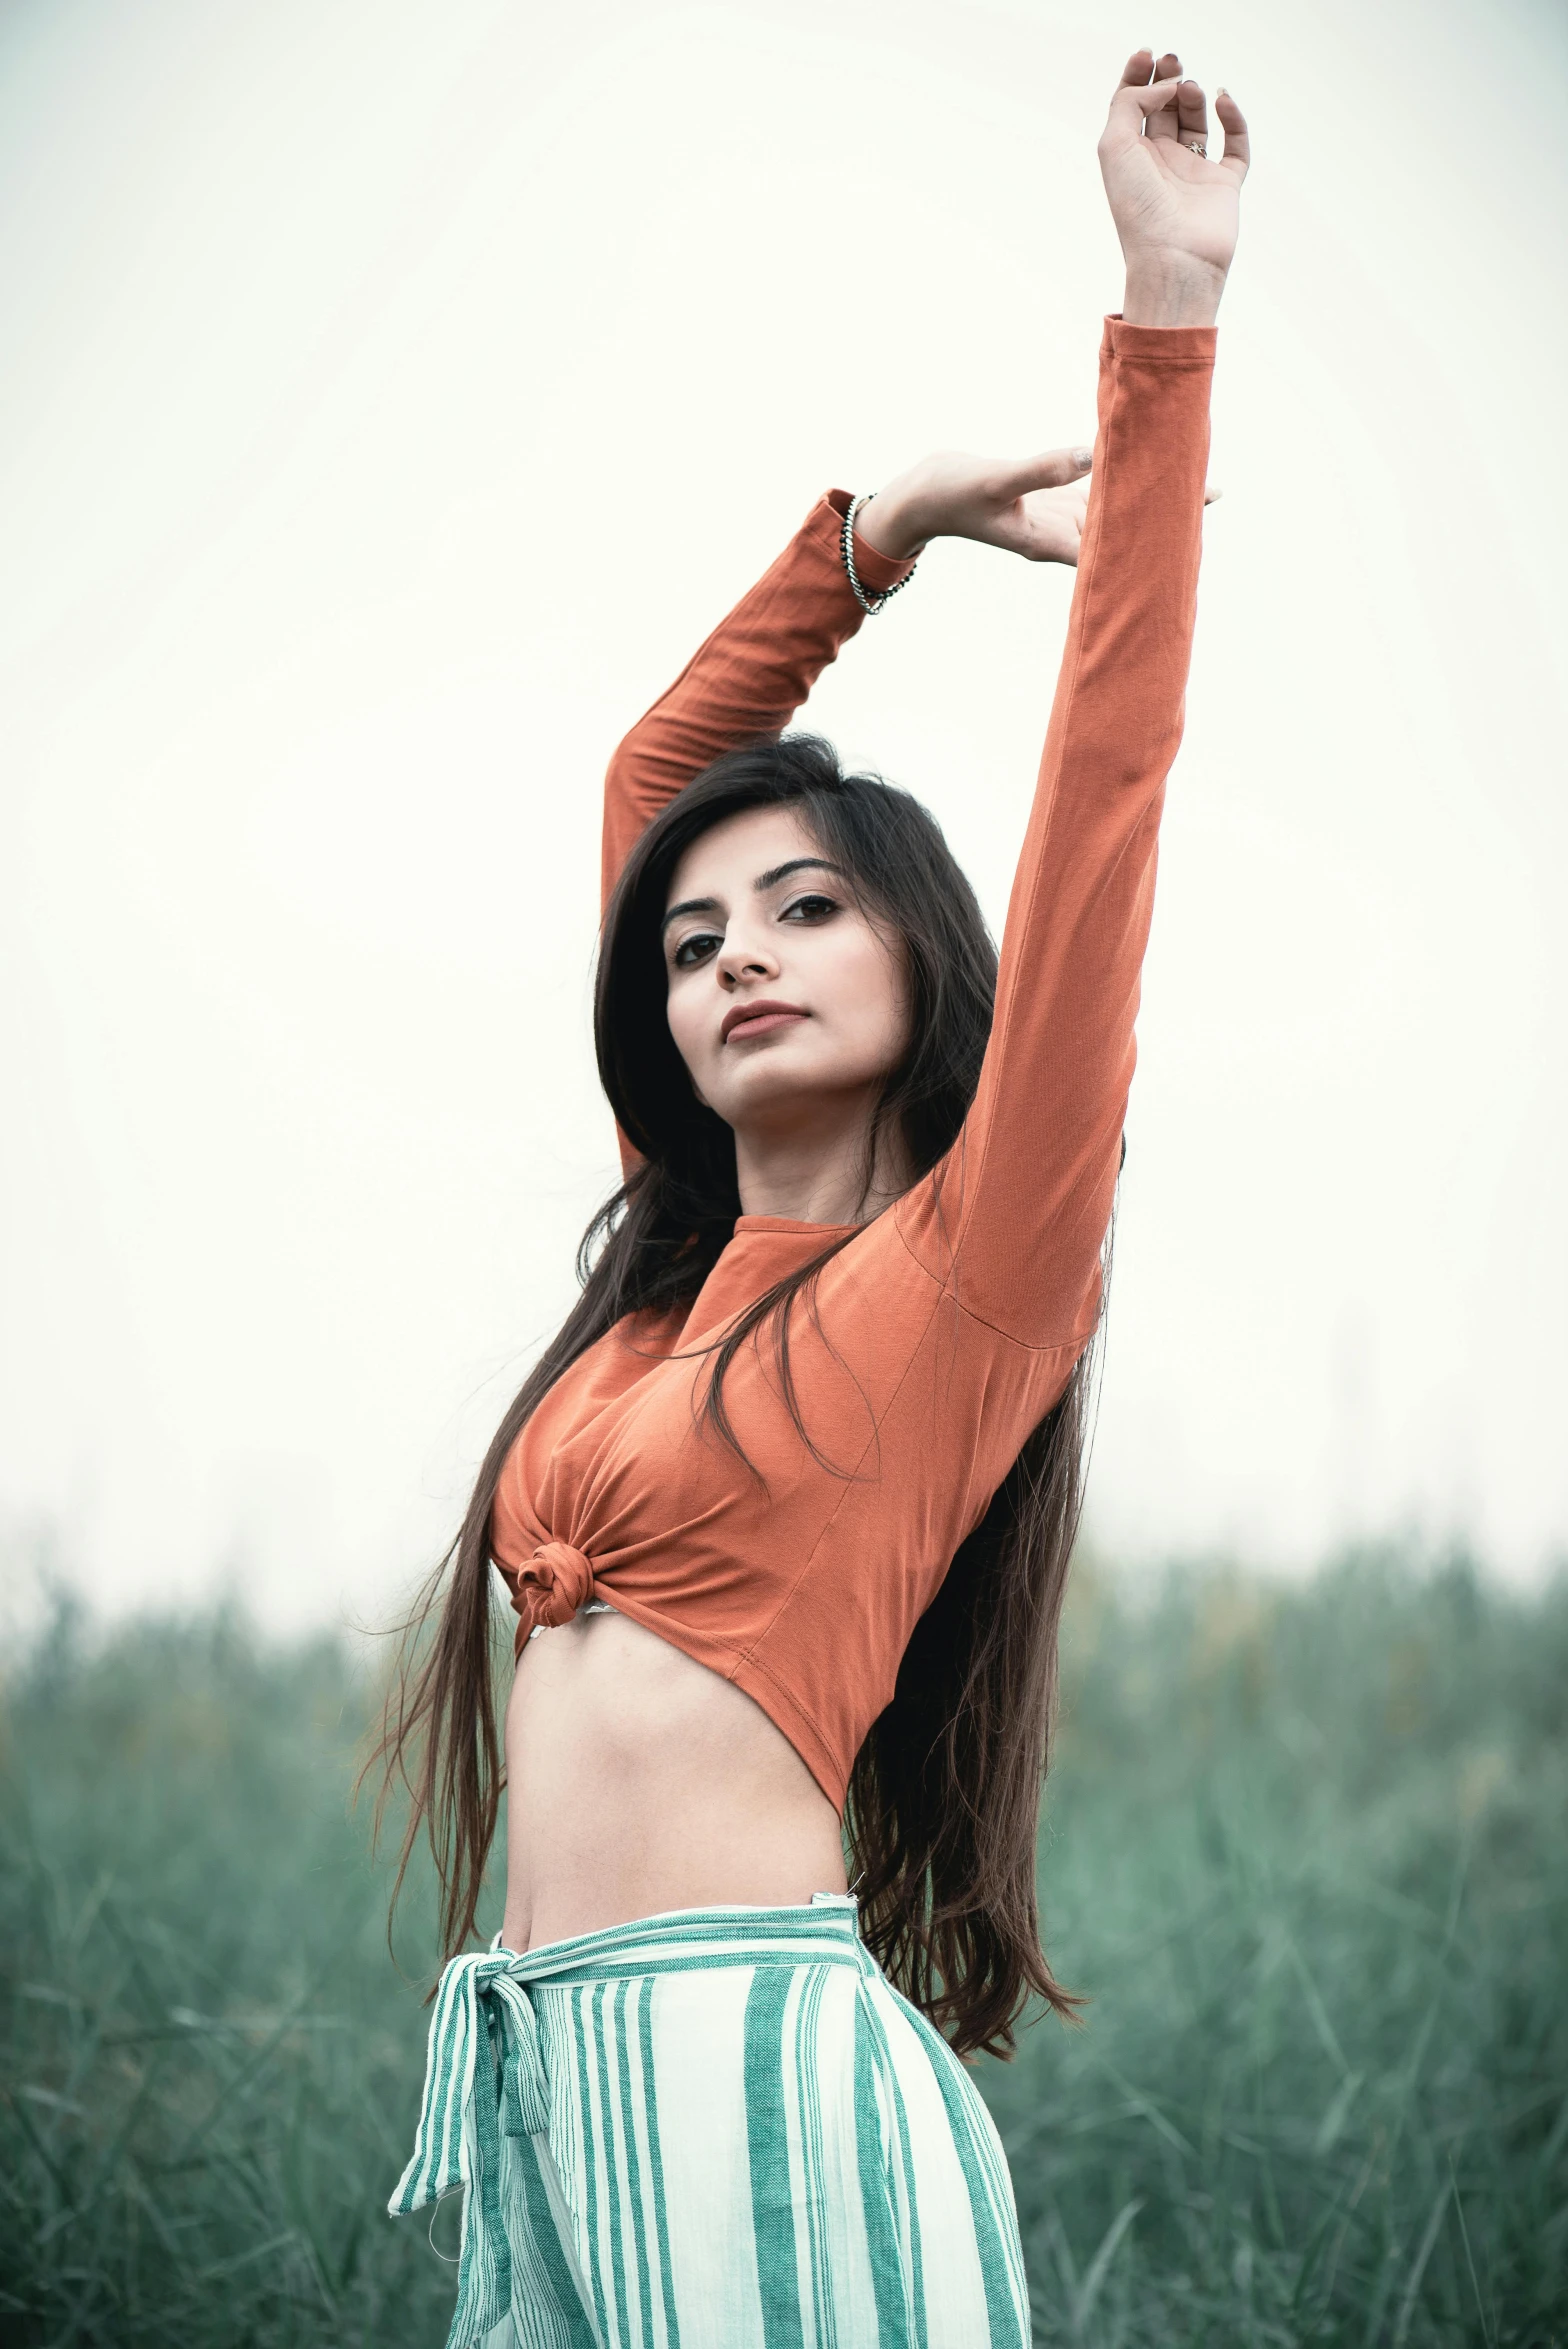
(748, 679)
(1014, 1219)
(760, 663)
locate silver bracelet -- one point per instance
(846, 546)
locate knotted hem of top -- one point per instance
(555, 1583)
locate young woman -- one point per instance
(785, 1510)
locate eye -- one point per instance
(813, 907)
(699, 947)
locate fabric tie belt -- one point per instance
(485, 2082)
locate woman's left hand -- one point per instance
(1175, 204)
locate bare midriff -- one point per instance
(639, 1781)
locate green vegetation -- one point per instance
(1306, 1856)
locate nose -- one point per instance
(743, 959)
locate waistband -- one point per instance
(823, 1931)
(485, 2080)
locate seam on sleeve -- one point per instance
(997, 1042)
(1069, 1345)
(974, 1174)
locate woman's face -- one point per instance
(787, 1002)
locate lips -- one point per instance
(761, 1018)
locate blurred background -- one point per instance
(396, 394)
(393, 397)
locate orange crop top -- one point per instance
(950, 1325)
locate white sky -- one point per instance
(394, 394)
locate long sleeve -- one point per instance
(747, 680)
(1013, 1220)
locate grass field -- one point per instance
(1306, 1855)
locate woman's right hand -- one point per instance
(1031, 506)
(1176, 212)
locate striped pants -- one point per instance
(716, 2129)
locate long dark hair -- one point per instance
(943, 1809)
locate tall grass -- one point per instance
(1305, 1852)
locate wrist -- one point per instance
(1172, 289)
(889, 525)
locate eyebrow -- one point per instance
(768, 880)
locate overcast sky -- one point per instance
(394, 394)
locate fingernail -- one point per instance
(1083, 456)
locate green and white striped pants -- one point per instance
(717, 2129)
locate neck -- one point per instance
(820, 1168)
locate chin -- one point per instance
(781, 1092)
